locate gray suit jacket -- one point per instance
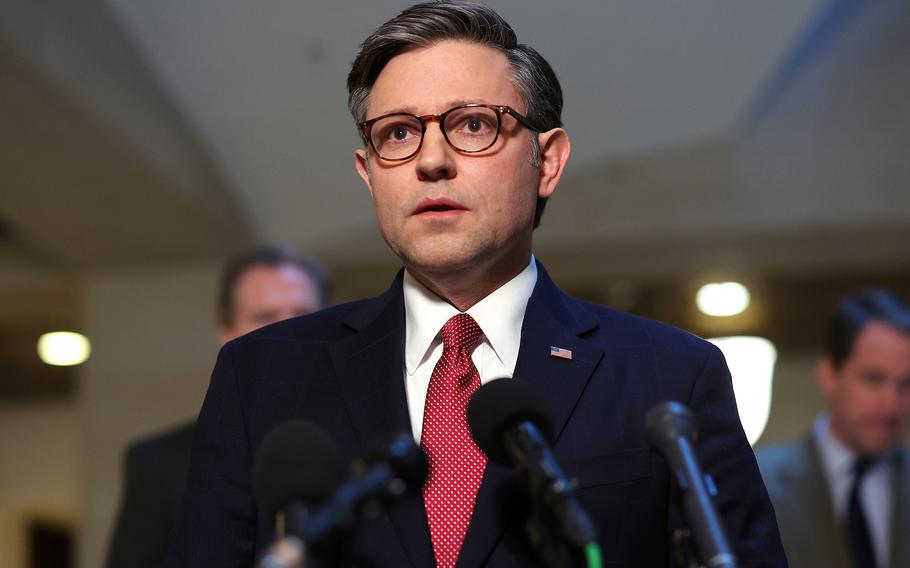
(799, 491)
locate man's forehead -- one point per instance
(443, 75)
(882, 333)
(263, 278)
(879, 344)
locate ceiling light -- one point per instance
(64, 348)
(722, 299)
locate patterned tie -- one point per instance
(456, 463)
(858, 538)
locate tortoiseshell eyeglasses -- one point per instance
(467, 128)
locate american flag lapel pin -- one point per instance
(560, 352)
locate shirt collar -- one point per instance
(499, 315)
(837, 458)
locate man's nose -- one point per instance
(436, 159)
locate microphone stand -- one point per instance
(550, 547)
(684, 546)
(672, 430)
(556, 545)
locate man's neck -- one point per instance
(464, 288)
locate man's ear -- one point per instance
(554, 154)
(361, 162)
(826, 375)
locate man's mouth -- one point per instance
(438, 208)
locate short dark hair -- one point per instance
(425, 24)
(272, 255)
(855, 311)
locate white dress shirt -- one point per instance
(499, 316)
(875, 490)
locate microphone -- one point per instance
(296, 467)
(378, 478)
(672, 431)
(511, 425)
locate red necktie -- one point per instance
(456, 463)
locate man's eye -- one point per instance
(474, 125)
(399, 133)
(396, 132)
(872, 378)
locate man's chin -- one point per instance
(439, 263)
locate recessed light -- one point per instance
(723, 299)
(63, 348)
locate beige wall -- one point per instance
(154, 343)
(38, 472)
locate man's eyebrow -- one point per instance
(408, 109)
(460, 102)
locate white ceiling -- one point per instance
(262, 86)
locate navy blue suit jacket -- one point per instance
(342, 369)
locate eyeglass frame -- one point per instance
(366, 127)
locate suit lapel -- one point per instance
(551, 319)
(369, 367)
(810, 486)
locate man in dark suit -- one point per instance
(462, 148)
(842, 493)
(265, 285)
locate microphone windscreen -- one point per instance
(296, 463)
(501, 405)
(406, 459)
(668, 421)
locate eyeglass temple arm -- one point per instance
(521, 119)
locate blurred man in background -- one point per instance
(266, 285)
(842, 494)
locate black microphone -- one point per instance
(377, 479)
(511, 425)
(672, 431)
(296, 467)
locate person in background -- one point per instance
(265, 285)
(842, 494)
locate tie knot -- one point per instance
(461, 331)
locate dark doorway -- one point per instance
(50, 545)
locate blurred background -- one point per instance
(142, 143)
